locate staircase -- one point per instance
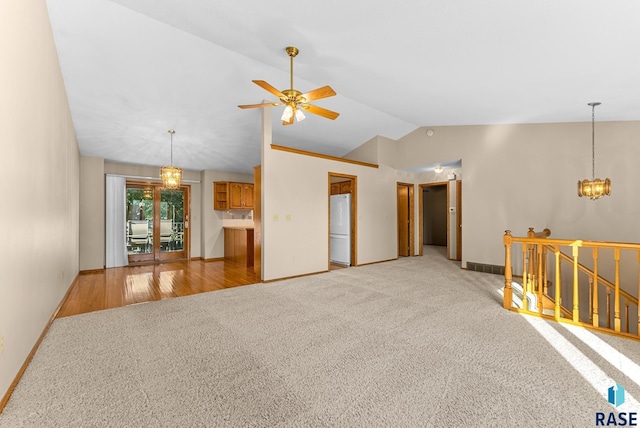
(550, 277)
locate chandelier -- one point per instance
(171, 175)
(594, 188)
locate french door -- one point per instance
(157, 224)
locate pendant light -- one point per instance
(171, 175)
(594, 188)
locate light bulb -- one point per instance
(287, 114)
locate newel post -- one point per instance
(508, 274)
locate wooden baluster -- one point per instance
(508, 275)
(638, 308)
(539, 252)
(595, 319)
(576, 303)
(616, 303)
(531, 261)
(525, 279)
(608, 308)
(590, 300)
(557, 292)
(626, 314)
(545, 281)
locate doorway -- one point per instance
(339, 185)
(157, 226)
(440, 216)
(405, 220)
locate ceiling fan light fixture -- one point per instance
(287, 114)
(294, 100)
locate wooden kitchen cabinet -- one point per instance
(232, 196)
(241, 196)
(220, 195)
(238, 245)
(341, 187)
(345, 187)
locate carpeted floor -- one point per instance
(412, 342)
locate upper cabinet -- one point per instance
(232, 196)
(341, 187)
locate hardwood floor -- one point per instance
(116, 287)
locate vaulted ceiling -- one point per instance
(135, 68)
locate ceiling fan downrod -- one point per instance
(292, 52)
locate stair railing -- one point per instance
(536, 248)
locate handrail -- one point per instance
(578, 243)
(604, 281)
(535, 255)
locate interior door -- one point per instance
(405, 219)
(157, 226)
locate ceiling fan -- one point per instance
(294, 100)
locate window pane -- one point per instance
(139, 220)
(171, 220)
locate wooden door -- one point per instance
(405, 235)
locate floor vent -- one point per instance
(482, 267)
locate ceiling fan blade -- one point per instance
(264, 85)
(316, 94)
(320, 111)
(259, 105)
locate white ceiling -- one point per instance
(135, 68)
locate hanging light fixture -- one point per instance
(171, 175)
(594, 188)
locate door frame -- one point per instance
(410, 195)
(354, 215)
(157, 256)
(458, 217)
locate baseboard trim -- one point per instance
(193, 259)
(215, 259)
(13, 385)
(294, 276)
(91, 271)
(380, 261)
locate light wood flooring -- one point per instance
(116, 287)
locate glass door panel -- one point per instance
(140, 213)
(171, 220)
(157, 222)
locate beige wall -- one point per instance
(207, 239)
(40, 211)
(378, 150)
(132, 170)
(295, 210)
(92, 213)
(517, 176)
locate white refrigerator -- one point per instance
(340, 229)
